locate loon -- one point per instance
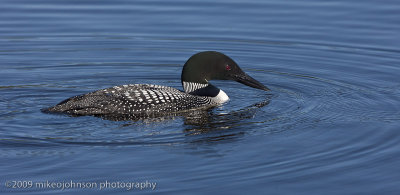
(146, 100)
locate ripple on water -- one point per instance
(299, 100)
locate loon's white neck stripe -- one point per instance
(219, 99)
(190, 86)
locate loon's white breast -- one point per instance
(221, 97)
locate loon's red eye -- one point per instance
(227, 67)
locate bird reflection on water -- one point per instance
(201, 121)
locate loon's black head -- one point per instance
(211, 65)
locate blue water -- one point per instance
(330, 124)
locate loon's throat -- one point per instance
(206, 90)
(190, 87)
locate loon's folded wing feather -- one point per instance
(138, 99)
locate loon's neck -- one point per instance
(190, 87)
(205, 89)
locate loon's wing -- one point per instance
(135, 100)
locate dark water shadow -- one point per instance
(213, 127)
(210, 125)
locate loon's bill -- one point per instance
(144, 100)
(251, 82)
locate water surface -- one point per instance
(330, 124)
